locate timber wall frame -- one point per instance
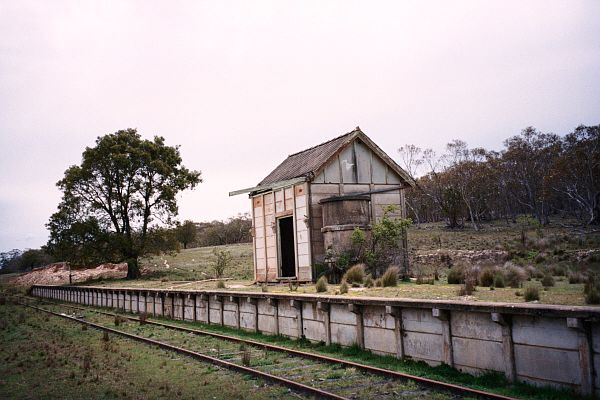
(544, 345)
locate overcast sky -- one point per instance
(240, 85)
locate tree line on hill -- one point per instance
(536, 173)
(16, 260)
(215, 233)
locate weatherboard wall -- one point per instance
(539, 344)
(266, 208)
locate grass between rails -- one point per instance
(46, 357)
(336, 378)
(492, 382)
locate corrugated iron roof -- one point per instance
(308, 161)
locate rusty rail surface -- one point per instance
(434, 384)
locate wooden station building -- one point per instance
(315, 198)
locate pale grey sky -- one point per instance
(240, 85)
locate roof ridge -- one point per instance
(357, 129)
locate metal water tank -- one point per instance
(341, 215)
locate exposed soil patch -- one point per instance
(58, 273)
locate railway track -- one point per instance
(309, 373)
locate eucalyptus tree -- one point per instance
(576, 172)
(118, 203)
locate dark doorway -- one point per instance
(286, 247)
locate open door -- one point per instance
(287, 254)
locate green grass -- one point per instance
(46, 357)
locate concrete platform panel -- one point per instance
(475, 325)
(417, 320)
(340, 314)
(376, 317)
(266, 324)
(478, 354)
(343, 334)
(380, 340)
(314, 330)
(423, 346)
(561, 366)
(548, 332)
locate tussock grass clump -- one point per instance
(369, 281)
(547, 280)
(531, 293)
(576, 277)
(390, 277)
(343, 288)
(486, 276)
(143, 317)
(514, 275)
(559, 269)
(321, 285)
(246, 355)
(87, 363)
(471, 276)
(456, 275)
(466, 289)
(499, 280)
(592, 290)
(264, 288)
(220, 285)
(534, 272)
(378, 282)
(355, 274)
(593, 296)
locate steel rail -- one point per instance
(319, 393)
(431, 383)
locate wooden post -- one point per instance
(163, 298)
(508, 349)
(172, 297)
(396, 312)
(324, 308)
(360, 331)
(220, 301)
(204, 298)
(182, 307)
(154, 304)
(444, 316)
(586, 357)
(264, 218)
(236, 301)
(195, 312)
(297, 304)
(255, 303)
(294, 219)
(273, 303)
